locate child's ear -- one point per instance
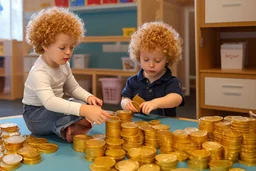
(44, 47)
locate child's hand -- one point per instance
(92, 100)
(129, 106)
(148, 106)
(94, 113)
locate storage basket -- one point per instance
(112, 89)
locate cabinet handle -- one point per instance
(232, 94)
(232, 86)
(232, 4)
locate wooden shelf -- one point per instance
(103, 72)
(230, 71)
(106, 39)
(228, 109)
(6, 96)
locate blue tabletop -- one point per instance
(66, 159)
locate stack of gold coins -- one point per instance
(161, 127)
(182, 141)
(191, 129)
(114, 143)
(236, 169)
(141, 125)
(14, 143)
(198, 159)
(124, 115)
(103, 163)
(117, 154)
(127, 165)
(11, 162)
(143, 154)
(181, 156)
(240, 124)
(166, 161)
(30, 155)
(9, 129)
(215, 148)
(113, 127)
(199, 137)
(130, 133)
(248, 149)
(94, 148)
(154, 122)
(231, 143)
(218, 130)
(223, 165)
(79, 142)
(207, 123)
(228, 118)
(252, 125)
(150, 138)
(34, 142)
(47, 148)
(164, 139)
(149, 167)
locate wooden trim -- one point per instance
(106, 39)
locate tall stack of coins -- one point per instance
(11, 161)
(252, 125)
(94, 148)
(207, 123)
(164, 139)
(166, 161)
(223, 165)
(113, 127)
(150, 138)
(182, 141)
(79, 142)
(141, 125)
(9, 129)
(103, 163)
(130, 134)
(30, 155)
(199, 137)
(117, 154)
(215, 148)
(231, 143)
(248, 149)
(127, 165)
(240, 124)
(124, 115)
(14, 143)
(219, 127)
(198, 159)
(143, 154)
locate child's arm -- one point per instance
(169, 101)
(94, 113)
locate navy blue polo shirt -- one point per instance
(138, 84)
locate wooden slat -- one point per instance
(106, 39)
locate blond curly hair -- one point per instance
(43, 27)
(156, 36)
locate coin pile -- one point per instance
(94, 148)
(117, 154)
(130, 134)
(9, 129)
(166, 161)
(113, 127)
(150, 136)
(198, 137)
(164, 139)
(115, 143)
(223, 165)
(198, 159)
(207, 123)
(103, 163)
(241, 124)
(14, 143)
(11, 162)
(191, 129)
(149, 167)
(248, 149)
(182, 141)
(79, 142)
(215, 149)
(47, 148)
(219, 127)
(127, 165)
(30, 155)
(181, 156)
(124, 115)
(231, 143)
(143, 154)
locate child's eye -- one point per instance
(62, 48)
(158, 61)
(145, 60)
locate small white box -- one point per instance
(128, 64)
(232, 56)
(80, 61)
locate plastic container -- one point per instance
(112, 89)
(93, 2)
(128, 64)
(61, 3)
(125, 1)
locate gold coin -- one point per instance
(199, 133)
(161, 127)
(149, 167)
(200, 153)
(28, 152)
(211, 145)
(114, 141)
(127, 165)
(191, 129)
(12, 159)
(180, 133)
(105, 161)
(99, 136)
(166, 158)
(211, 118)
(82, 137)
(154, 122)
(47, 147)
(15, 139)
(147, 151)
(220, 163)
(115, 152)
(136, 105)
(181, 156)
(236, 169)
(95, 167)
(183, 169)
(94, 143)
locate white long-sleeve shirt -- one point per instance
(45, 86)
